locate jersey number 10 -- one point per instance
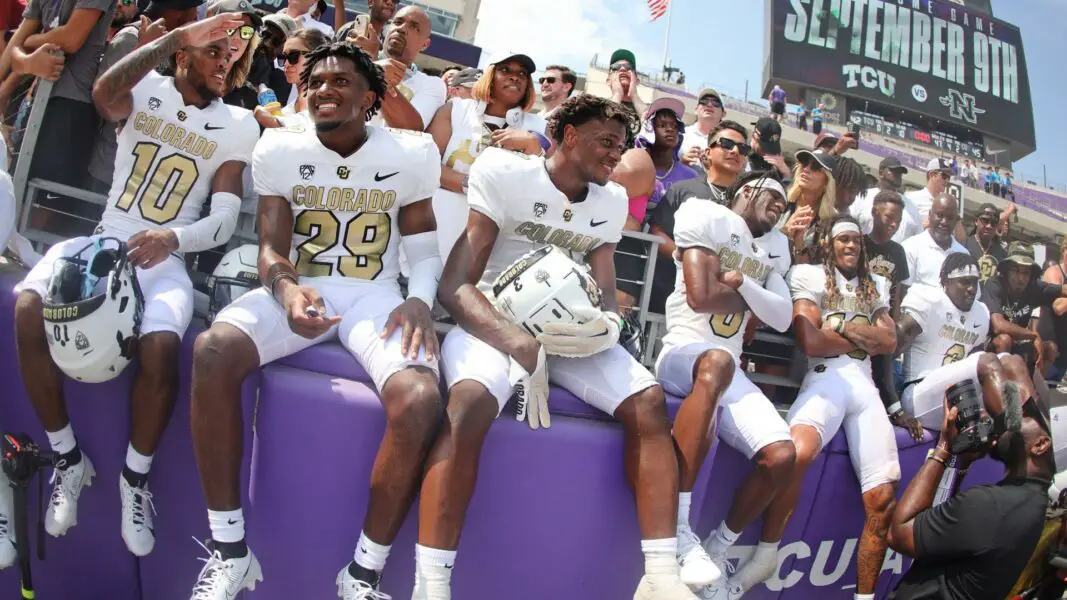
(175, 171)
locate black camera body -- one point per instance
(21, 458)
(975, 431)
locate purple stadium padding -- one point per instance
(91, 560)
(170, 571)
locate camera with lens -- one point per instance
(22, 457)
(975, 430)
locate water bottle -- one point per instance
(268, 100)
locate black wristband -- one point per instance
(278, 277)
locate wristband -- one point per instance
(278, 277)
(931, 454)
(894, 408)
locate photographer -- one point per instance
(976, 544)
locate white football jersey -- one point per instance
(514, 190)
(808, 282)
(167, 155)
(948, 333)
(706, 224)
(345, 209)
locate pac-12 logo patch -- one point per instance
(307, 172)
(540, 208)
(154, 103)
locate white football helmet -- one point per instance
(543, 287)
(237, 273)
(92, 311)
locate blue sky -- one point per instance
(720, 43)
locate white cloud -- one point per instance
(568, 32)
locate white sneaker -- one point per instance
(662, 587)
(441, 590)
(137, 510)
(723, 590)
(8, 554)
(350, 588)
(696, 567)
(67, 485)
(223, 579)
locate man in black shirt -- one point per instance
(984, 245)
(886, 257)
(1012, 296)
(1053, 323)
(767, 149)
(975, 545)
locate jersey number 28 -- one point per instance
(365, 237)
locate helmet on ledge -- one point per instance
(236, 274)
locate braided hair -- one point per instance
(580, 109)
(867, 293)
(849, 175)
(364, 66)
(955, 261)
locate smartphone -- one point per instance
(359, 27)
(854, 129)
(312, 312)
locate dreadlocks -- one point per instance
(955, 261)
(580, 109)
(867, 292)
(364, 66)
(849, 175)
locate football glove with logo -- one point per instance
(532, 390)
(599, 332)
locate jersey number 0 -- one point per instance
(175, 171)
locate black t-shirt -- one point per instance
(1053, 327)
(888, 260)
(987, 261)
(1018, 309)
(975, 545)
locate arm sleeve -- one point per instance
(803, 285)
(917, 304)
(214, 229)
(958, 527)
(482, 194)
(993, 297)
(771, 304)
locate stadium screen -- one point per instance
(933, 57)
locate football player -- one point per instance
(180, 146)
(941, 334)
(337, 198)
(841, 318)
(520, 203)
(731, 264)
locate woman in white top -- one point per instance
(497, 114)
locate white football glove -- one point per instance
(600, 332)
(532, 390)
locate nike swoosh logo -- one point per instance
(217, 232)
(593, 223)
(362, 549)
(774, 256)
(211, 127)
(231, 522)
(380, 177)
(449, 567)
(977, 326)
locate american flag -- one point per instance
(657, 8)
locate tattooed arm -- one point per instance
(113, 91)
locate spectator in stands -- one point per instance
(636, 173)
(816, 118)
(710, 112)
(10, 18)
(724, 160)
(450, 72)
(984, 244)
(557, 84)
(886, 257)
(413, 97)
(802, 116)
(497, 114)
(661, 136)
(826, 141)
(927, 251)
(265, 71)
(989, 179)
(372, 40)
(976, 544)
(300, 11)
(777, 100)
(890, 178)
(849, 181)
(623, 80)
(938, 172)
(1013, 296)
(767, 149)
(174, 13)
(295, 52)
(812, 198)
(462, 83)
(1052, 324)
(1005, 186)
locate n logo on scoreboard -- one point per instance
(961, 106)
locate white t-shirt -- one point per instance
(167, 155)
(306, 20)
(694, 137)
(922, 200)
(700, 224)
(425, 93)
(948, 334)
(910, 223)
(808, 282)
(514, 190)
(346, 209)
(925, 258)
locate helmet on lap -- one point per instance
(237, 273)
(543, 287)
(92, 311)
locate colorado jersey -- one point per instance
(167, 155)
(948, 334)
(808, 282)
(345, 209)
(514, 190)
(705, 224)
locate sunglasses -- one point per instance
(727, 145)
(710, 101)
(126, 2)
(622, 65)
(548, 80)
(293, 56)
(246, 32)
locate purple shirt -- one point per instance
(778, 95)
(679, 172)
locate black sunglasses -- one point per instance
(621, 65)
(293, 56)
(710, 101)
(545, 80)
(246, 31)
(727, 145)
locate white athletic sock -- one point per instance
(227, 526)
(370, 555)
(137, 462)
(863, 596)
(434, 568)
(684, 499)
(62, 441)
(722, 539)
(660, 556)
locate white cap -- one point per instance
(938, 164)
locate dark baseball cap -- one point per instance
(623, 54)
(989, 210)
(156, 7)
(241, 7)
(770, 135)
(824, 138)
(825, 159)
(893, 164)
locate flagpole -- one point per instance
(667, 36)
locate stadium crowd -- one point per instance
(387, 195)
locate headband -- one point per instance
(844, 227)
(763, 183)
(967, 270)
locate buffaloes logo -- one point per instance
(182, 116)
(343, 172)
